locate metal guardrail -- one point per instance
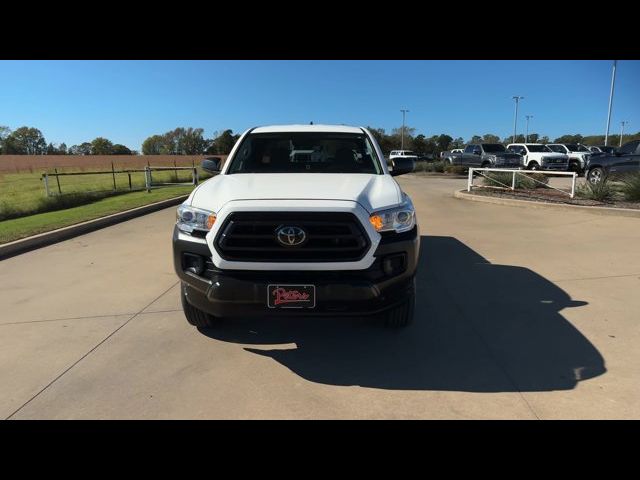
(148, 178)
(524, 173)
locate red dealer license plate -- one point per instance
(291, 296)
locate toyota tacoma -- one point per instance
(300, 220)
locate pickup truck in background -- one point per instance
(601, 149)
(449, 155)
(402, 154)
(578, 155)
(487, 155)
(625, 160)
(536, 156)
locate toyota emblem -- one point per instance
(291, 236)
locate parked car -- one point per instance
(449, 155)
(624, 160)
(402, 153)
(487, 155)
(536, 156)
(578, 154)
(271, 237)
(601, 149)
(424, 157)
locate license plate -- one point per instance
(291, 296)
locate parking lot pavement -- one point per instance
(521, 314)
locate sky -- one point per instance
(127, 101)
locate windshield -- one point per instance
(493, 147)
(291, 152)
(538, 148)
(576, 148)
(557, 148)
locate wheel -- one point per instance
(402, 315)
(485, 165)
(574, 167)
(195, 316)
(534, 166)
(595, 175)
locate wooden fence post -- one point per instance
(46, 184)
(57, 180)
(147, 178)
(113, 173)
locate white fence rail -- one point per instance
(525, 173)
(148, 179)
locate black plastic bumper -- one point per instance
(228, 293)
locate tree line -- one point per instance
(191, 141)
(180, 141)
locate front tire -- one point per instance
(595, 175)
(534, 166)
(195, 316)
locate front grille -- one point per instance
(331, 237)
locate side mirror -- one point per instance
(212, 164)
(402, 166)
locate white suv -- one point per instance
(300, 220)
(536, 156)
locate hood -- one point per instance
(373, 192)
(505, 155)
(551, 154)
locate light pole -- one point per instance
(515, 118)
(613, 82)
(402, 134)
(527, 137)
(622, 124)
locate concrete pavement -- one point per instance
(521, 314)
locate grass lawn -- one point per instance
(23, 194)
(16, 228)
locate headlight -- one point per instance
(189, 219)
(399, 219)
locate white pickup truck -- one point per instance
(536, 156)
(578, 154)
(277, 232)
(402, 154)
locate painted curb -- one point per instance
(620, 212)
(47, 238)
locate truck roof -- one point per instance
(307, 128)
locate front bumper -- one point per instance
(232, 293)
(555, 166)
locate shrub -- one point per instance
(540, 177)
(600, 191)
(631, 187)
(527, 182)
(455, 169)
(430, 167)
